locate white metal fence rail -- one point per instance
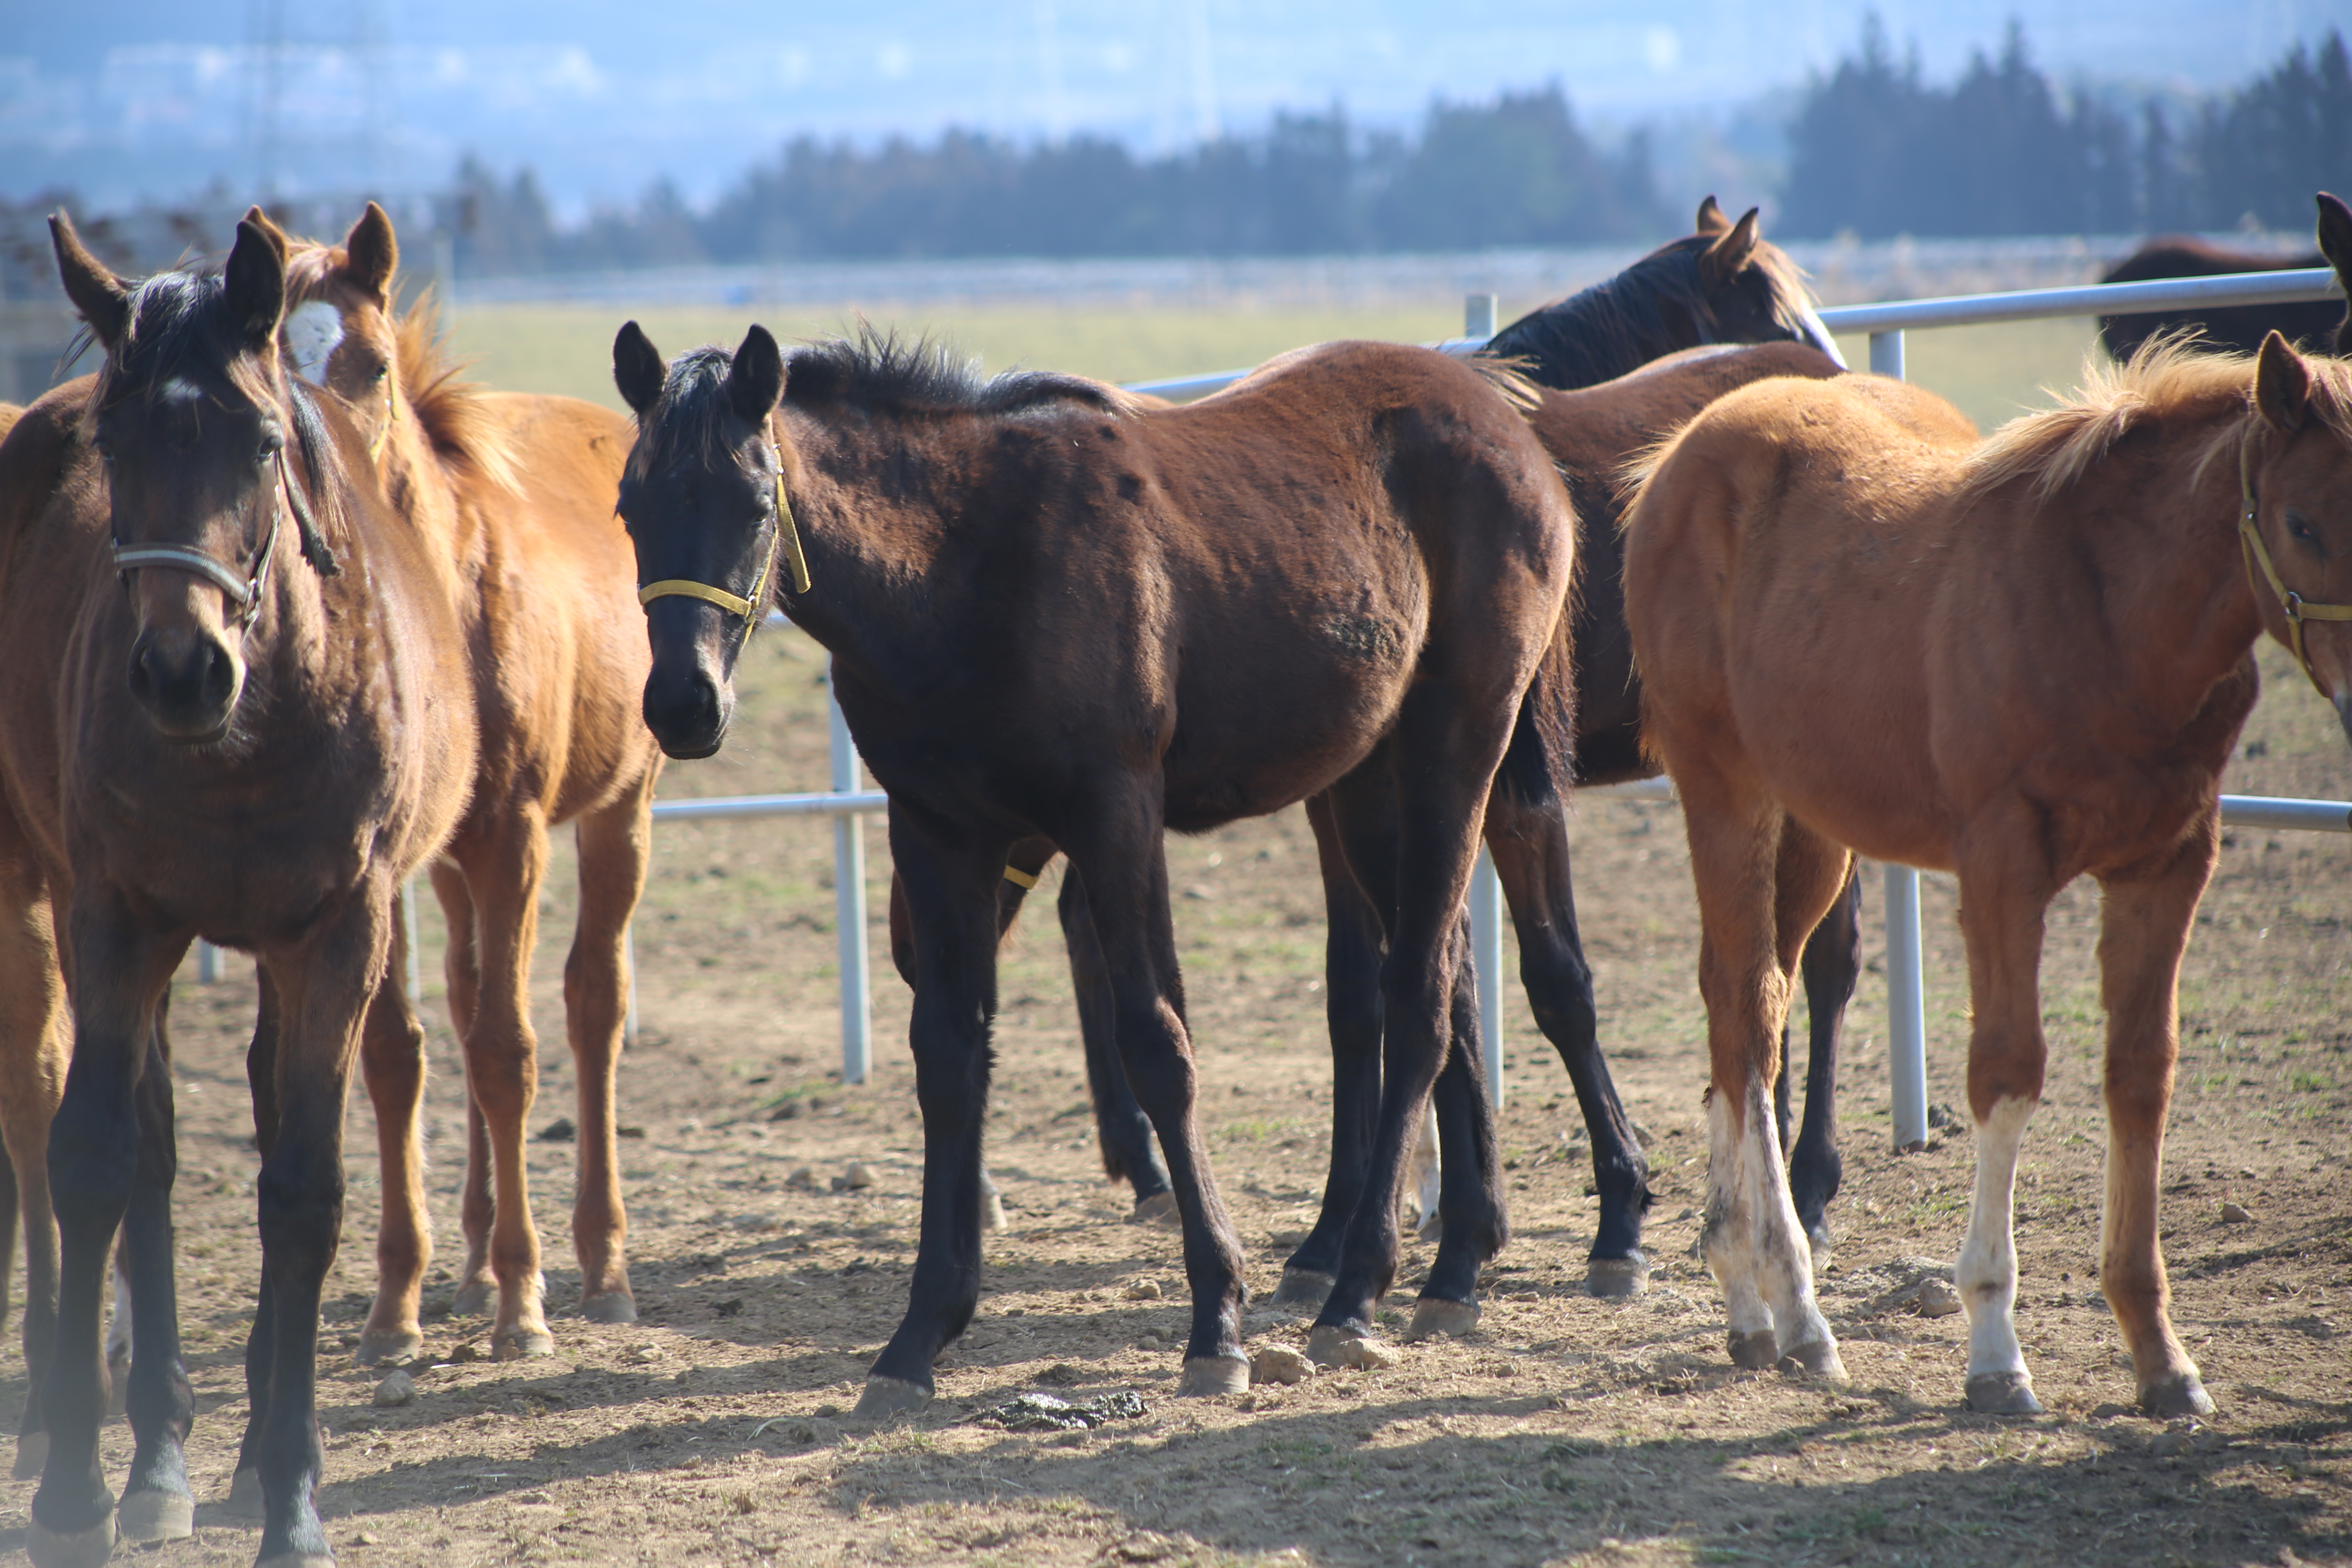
(847, 804)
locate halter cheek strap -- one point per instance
(244, 592)
(785, 541)
(2259, 568)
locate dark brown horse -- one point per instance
(1051, 614)
(2316, 324)
(250, 722)
(2023, 663)
(1721, 284)
(516, 492)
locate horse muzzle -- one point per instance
(687, 710)
(187, 681)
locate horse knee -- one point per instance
(302, 1210)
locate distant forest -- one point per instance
(1874, 150)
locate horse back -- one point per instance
(2239, 329)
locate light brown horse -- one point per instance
(2022, 663)
(242, 711)
(516, 491)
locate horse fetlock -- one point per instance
(1434, 1315)
(2003, 1393)
(1615, 1279)
(1754, 1351)
(889, 1397)
(1207, 1375)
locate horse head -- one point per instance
(2295, 472)
(192, 418)
(703, 497)
(2335, 243)
(340, 331)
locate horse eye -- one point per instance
(381, 371)
(267, 450)
(2299, 529)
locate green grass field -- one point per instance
(1991, 372)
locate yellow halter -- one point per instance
(2298, 610)
(787, 539)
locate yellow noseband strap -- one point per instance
(2258, 556)
(1020, 879)
(787, 539)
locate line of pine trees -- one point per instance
(1877, 151)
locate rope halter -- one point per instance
(244, 592)
(786, 540)
(2258, 556)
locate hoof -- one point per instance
(2003, 1393)
(79, 1549)
(390, 1347)
(245, 1499)
(32, 1455)
(612, 1307)
(1213, 1375)
(1816, 1358)
(1304, 1288)
(1160, 1208)
(297, 1559)
(151, 1516)
(1613, 1278)
(1818, 1238)
(887, 1396)
(522, 1344)
(1432, 1316)
(474, 1297)
(2184, 1395)
(1756, 1352)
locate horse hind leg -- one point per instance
(34, 1047)
(1831, 966)
(615, 845)
(477, 1289)
(392, 1060)
(1121, 1128)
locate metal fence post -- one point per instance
(849, 905)
(1907, 998)
(1479, 312)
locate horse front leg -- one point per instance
(1355, 936)
(1530, 843)
(392, 1060)
(614, 845)
(2143, 930)
(1831, 966)
(120, 968)
(325, 984)
(156, 1502)
(950, 899)
(1120, 1125)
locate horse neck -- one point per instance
(1596, 337)
(873, 552)
(420, 485)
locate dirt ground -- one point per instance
(1565, 1429)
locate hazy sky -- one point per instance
(602, 97)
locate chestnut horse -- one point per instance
(1051, 614)
(2319, 324)
(516, 492)
(250, 722)
(1721, 284)
(2022, 663)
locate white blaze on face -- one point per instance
(311, 332)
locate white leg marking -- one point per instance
(1725, 1233)
(1783, 1257)
(1988, 1267)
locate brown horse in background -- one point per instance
(242, 713)
(1053, 615)
(2318, 325)
(516, 491)
(2022, 663)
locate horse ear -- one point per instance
(1710, 218)
(756, 384)
(103, 300)
(638, 368)
(371, 254)
(255, 278)
(2281, 385)
(1721, 262)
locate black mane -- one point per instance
(1621, 323)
